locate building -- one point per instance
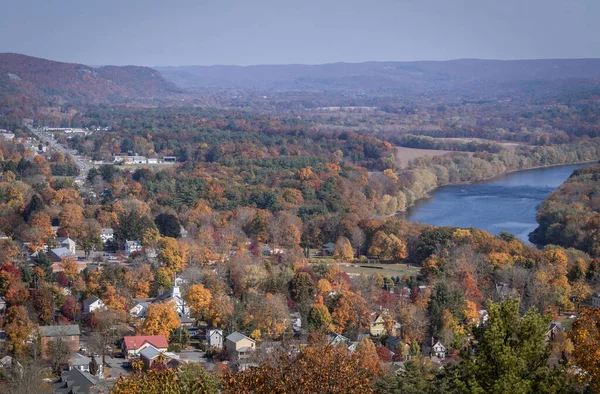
(170, 159)
(68, 243)
(68, 333)
(133, 345)
(56, 255)
(596, 300)
(553, 329)
(214, 338)
(176, 297)
(433, 348)
(2, 306)
(151, 355)
(91, 304)
(107, 234)
(132, 246)
(240, 348)
(152, 160)
(82, 363)
(337, 339)
(75, 381)
(141, 307)
(377, 326)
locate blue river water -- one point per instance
(507, 203)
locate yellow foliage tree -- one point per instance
(585, 336)
(198, 299)
(162, 319)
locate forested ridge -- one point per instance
(570, 215)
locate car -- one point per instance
(83, 349)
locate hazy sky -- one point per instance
(190, 32)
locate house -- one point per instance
(132, 345)
(68, 333)
(2, 306)
(82, 363)
(337, 339)
(68, 243)
(328, 249)
(169, 159)
(151, 355)
(92, 303)
(58, 254)
(553, 329)
(483, 317)
(433, 348)
(214, 338)
(240, 348)
(596, 300)
(392, 343)
(296, 319)
(379, 321)
(132, 246)
(141, 307)
(152, 160)
(107, 234)
(75, 381)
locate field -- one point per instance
(383, 269)
(405, 155)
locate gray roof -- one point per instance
(236, 337)
(108, 231)
(149, 352)
(90, 300)
(76, 382)
(79, 359)
(60, 331)
(62, 252)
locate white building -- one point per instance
(107, 234)
(132, 246)
(91, 304)
(596, 300)
(214, 338)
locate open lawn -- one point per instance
(368, 268)
(405, 155)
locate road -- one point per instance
(45, 137)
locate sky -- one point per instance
(245, 32)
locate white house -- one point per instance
(82, 363)
(152, 160)
(214, 338)
(141, 307)
(91, 304)
(596, 300)
(67, 243)
(107, 234)
(132, 246)
(438, 350)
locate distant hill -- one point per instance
(418, 77)
(34, 80)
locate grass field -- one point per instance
(383, 269)
(405, 155)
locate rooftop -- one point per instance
(60, 331)
(236, 337)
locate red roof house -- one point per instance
(134, 344)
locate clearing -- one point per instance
(405, 155)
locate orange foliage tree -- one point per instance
(319, 369)
(162, 319)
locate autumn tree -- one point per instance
(188, 379)
(586, 340)
(343, 249)
(350, 313)
(319, 317)
(387, 247)
(317, 369)
(18, 328)
(161, 319)
(198, 299)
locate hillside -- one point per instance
(467, 75)
(34, 80)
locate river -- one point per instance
(506, 203)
